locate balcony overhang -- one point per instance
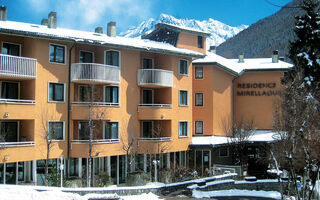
(155, 78)
(96, 73)
(18, 67)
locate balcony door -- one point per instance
(147, 96)
(147, 63)
(86, 57)
(11, 49)
(147, 128)
(8, 131)
(9, 90)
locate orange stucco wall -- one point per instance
(217, 88)
(256, 105)
(190, 41)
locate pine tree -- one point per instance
(305, 51)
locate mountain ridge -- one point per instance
(218, 30)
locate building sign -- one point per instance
(257, 89)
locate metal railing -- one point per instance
(17, 101)
(160, 139)
(95, 72)
(102, 141)
(96, 103)
(12, 144)
(156, 105)
(16, 66)
(155, 77)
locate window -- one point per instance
(200, 42)
(147, 127)
(183, 66)
(223, 152)
(147, 63)
(9, 90)
(112, 58)
(55, 130)
(111, 130)
(57, 53)
(86, 57)
(83, 130)
(183, 128)
(11, 49)
(85, 93)
(183, 98)
(56, 92)
(198, 127)
(111, 94)
(198, 73)
(198, 99)
(9, 131)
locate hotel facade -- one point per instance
(145, 99)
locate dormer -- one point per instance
(178, 36)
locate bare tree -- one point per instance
(240, 133)
(48, 135)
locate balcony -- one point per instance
(16, 133)
(15, 66)
(93, 72)
(155, 77)
(154, 111)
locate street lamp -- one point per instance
(61, 169)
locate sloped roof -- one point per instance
(35, 30)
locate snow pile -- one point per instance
(14, 192)
(236, 193)
(219, 31)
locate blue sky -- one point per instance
(88, 14)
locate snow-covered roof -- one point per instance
(35, 30)
(258, 136)
(249, 64)
(182, 29)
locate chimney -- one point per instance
(111, 29)
(241, 57)
(52, 20)
(98, 30)
(213, 49)
(44, 22)
(275, 56)
(3, 13)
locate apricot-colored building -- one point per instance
(133, 96)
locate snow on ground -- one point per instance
(229, 193)
(13, 192)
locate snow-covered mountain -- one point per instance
(219, 31)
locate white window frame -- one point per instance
(105, 58)
(195, 127)
(104, 133)
(195, 73)
(143, 89)
(11, 43)
(8, 81)
(119, 93)
(87, 52)
(187, 74)
(183, 136)
(63, 130)
(228, 152)
(64, 93)
(147, 58)
(182, 105)
(152, 125)
(65, 54)
(195, 99)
